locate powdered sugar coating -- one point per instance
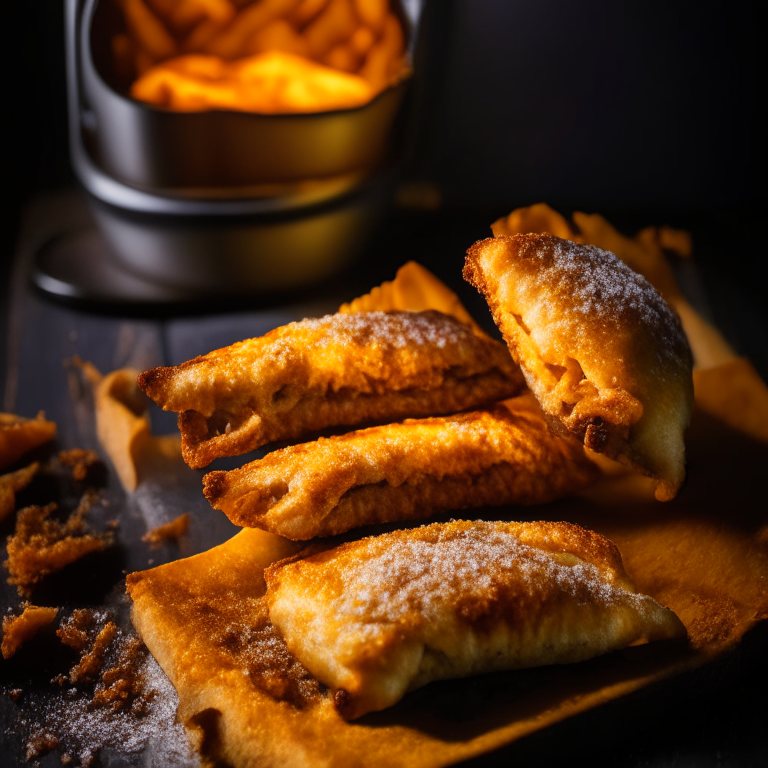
(601, 350)
(396, 329)
(393, 577)
(598, 292)
(375, 618)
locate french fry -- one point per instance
(143, 62)
(147, 31)
(385, 59)
(231, 43)
(164, 8)
(202, 34)
(123, 55)
(362, 40)
(343, 57)
(334, 25)
(372, 13)
(278, 36)
(274, 82)
(192, 12)
(307, 11)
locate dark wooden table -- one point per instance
(716, 716)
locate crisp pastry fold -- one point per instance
(404, 471)
(342, 369)
(375, 618)
(603, 353)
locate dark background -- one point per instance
(646, 112)
(596, 105)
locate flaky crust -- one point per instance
(603, 353)
(375, 618)
(341, 369)
(404, 471)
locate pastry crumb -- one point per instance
(11, 484)
(41, 545)
(162, 533)
(18, 629)
(80, 460)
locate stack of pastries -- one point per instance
(442, 418)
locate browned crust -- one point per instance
(614, 324)
(315, 412)
(386, 366)
(549, 536)
(402, 472)
(349, 613)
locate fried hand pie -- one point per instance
(603, 353)
(404, 471)
(375, 618)
(341, 369)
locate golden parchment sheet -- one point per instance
(704, 554)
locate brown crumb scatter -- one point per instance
(14, 694)
(11, 484)
(121, 683)
(261, 650)
(80, 460)
(40, 545)
(90, 664)
(113, 525)
(167, 532)
(107, 658)
(115, 696)
(76, 630)
(39, 743)
(18, 629)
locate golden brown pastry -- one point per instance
(601, 350)
(340, 369)
(405, 471)
(375, 618)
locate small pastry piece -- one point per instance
(601, 350)
(18, 629)
(406, 471)
(375, 618)
(11, 484)
(19, 436)
(41, 545)
(342, 369)
(171, 531)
